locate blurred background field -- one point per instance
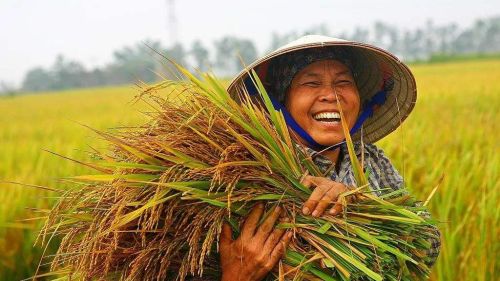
(30, 125)
(61, 62)
(452, 133)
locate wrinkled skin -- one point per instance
(320, 87)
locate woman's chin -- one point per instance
(330, 140)
(327, 133)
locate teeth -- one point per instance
(327, 115)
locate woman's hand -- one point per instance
(326, 192)
(257, 249)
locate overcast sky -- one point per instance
(33, 32)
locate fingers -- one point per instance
(308, 181)
(254, 256)
(225, 237)
(339, 205)
(252, 221)
(267, 226)
(325, 193)
(313, 200)
(317, 194)
(226, 233)
(275, 237)
(327, 199)
(280, 249)
(336, 209)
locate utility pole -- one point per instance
(172, 22)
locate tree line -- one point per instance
(144, 61)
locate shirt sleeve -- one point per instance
(388, 180)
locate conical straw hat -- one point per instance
(372, 66)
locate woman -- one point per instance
(309, 80)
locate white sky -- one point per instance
(33, 32)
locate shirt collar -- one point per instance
(344, 152)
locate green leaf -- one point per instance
(365, 235)
(356, 165)
(347, 257)
(269, 197)
(129, 217)
(324, 228)
(129, 165)
(322, 275)
(327, 263)
(214, 202)
(107, 177)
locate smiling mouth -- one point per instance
(327, 117)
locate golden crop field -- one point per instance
(453, 135)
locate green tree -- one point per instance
(135, 63)
(200, 55)
(38, 79)
(231, 51)
(68, 74)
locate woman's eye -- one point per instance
(344, 82)
(312, 83)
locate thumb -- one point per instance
(225, 237)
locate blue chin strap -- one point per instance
(368, 109)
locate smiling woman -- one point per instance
(314, 97)
(316, 82)
(169, 195)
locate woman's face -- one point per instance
(312, 100)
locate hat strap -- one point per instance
(369, 108)
(294, 125)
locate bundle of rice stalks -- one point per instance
(155, 210)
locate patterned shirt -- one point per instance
(382, 176)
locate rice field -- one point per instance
(450, 140)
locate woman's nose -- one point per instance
(329, 94)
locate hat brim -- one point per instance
(373, 65)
